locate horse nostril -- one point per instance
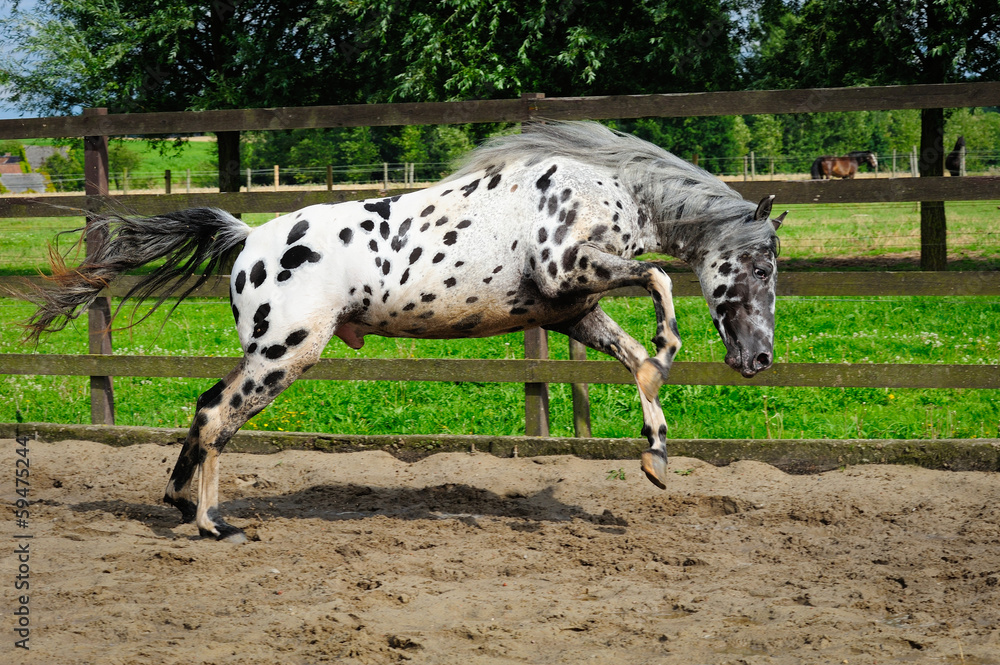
(764, 360)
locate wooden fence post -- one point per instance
(581, 394)
(95, 166)
(329, 177)
(536, 395)
(166, 181)
(536, 346)
(276, 177)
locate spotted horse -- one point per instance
(531, 232)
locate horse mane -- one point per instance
(860, 154)
(674, 190)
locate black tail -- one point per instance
(816, 172)
(185, 239)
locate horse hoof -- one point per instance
(227, 533)
(654, 465)
(236, 536)
(189, 511)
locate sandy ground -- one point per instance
(467, 558)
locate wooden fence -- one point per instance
(535, 371)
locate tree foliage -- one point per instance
(461, 49)
(874, 42)
(173, 55)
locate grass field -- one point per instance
(850, 330)
(154, 157)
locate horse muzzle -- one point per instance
(749, 363)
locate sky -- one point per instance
(7, 112)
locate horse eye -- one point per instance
(759, 273)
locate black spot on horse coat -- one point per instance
(298, 232)
(298, 255)
(258, 274)
(381, 208)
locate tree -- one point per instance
(175, 55)
(66, 171)
(457, 49)
(120, 158)
(883, 42)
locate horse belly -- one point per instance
(467, 300)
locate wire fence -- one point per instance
(383, 173)
(751, 166)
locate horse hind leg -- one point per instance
(219, 413)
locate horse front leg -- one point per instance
(584, 267)
(600, 332)
(654, 371)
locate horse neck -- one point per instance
(689, 230)
(683, 221)
(686, 238)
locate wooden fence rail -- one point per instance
(881, 190)
(811, 375)
(747, 102)
(538, 371)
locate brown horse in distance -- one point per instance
(953, 162)
(829, 166)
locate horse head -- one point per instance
(871, 160)
(738, 282)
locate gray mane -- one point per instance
(673, 190)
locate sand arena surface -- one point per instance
(467, 558)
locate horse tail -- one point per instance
(816, 171)
(185, 240)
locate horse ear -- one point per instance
(776, 222)
(764, 208)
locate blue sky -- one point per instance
(5, 8)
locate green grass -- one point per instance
(901, 330)
(154, 157)
(201, 157)
(886, 230)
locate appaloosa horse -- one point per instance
(829, 166)
(531, 232)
